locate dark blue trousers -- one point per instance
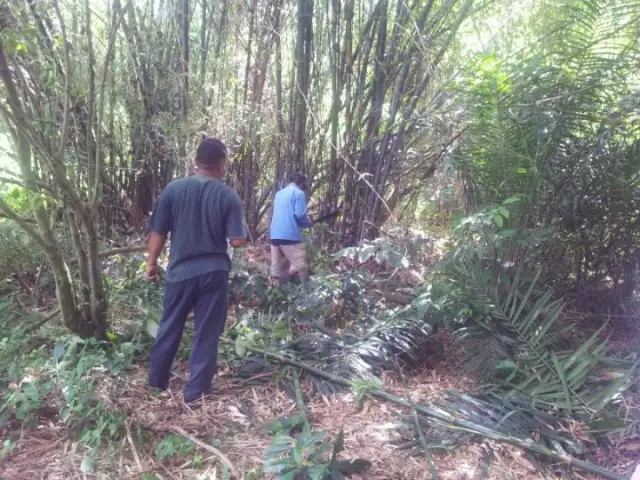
(208, 296)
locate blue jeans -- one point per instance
(208, 296)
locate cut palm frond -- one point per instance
(364, 352)
(513, 417)
(517, 335)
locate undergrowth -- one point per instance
(341, 323)
(70, 381)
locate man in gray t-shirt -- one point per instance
(201, 214)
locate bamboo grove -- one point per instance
(104, 103)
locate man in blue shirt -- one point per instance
(289, 217)
(201, 214)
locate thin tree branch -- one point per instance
(66, 116)
(24, 224)
(182, 432)
(105, 71)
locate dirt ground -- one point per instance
(232, 421)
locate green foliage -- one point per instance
(362, 387)
(305, 458)
(18, 252)
(557, 125)
(382, 250)
(18, 199)
(66, 380)
(174, 446)
(283, 425)
(290, 457)
(510, 417)
(139, 301)
(493, 289)
(523, 327)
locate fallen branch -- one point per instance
(453, 422)
(122, 250)
(394, 297)
(133, 448)
(210, 448)
(41, 322)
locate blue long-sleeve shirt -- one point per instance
(289, 214)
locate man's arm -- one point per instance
(235, 230)
(159, 224)
(300, 210)
(155, 244)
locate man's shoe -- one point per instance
(156, 389)
(191, 399)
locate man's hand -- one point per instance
(155, 243)
(238, 242)
(153, 273)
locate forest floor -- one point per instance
(234, 417)
(232, 421)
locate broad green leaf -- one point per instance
(563, 379)
(276, 465)
(506, 364)
(315, 437)
(298, 452)
(152, 328)
(290, 475)
(278, 450)
(317, 472)
(241, 350)
(366, 252)
(88, 464)
(319, 452)
(58, 351)
(585, 346)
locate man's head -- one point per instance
(211, 157)
(300, 180)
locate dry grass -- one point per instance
(232, 420)
(234, 417)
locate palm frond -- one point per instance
(513, 417)
(378, 339)
(362, 353)
(523, 327)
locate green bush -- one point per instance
(61, 379)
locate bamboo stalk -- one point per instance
(453, 422)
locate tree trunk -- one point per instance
(303, 61)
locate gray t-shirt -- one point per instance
(201, 213)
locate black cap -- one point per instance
(211, 152)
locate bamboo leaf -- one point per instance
(560, 371)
